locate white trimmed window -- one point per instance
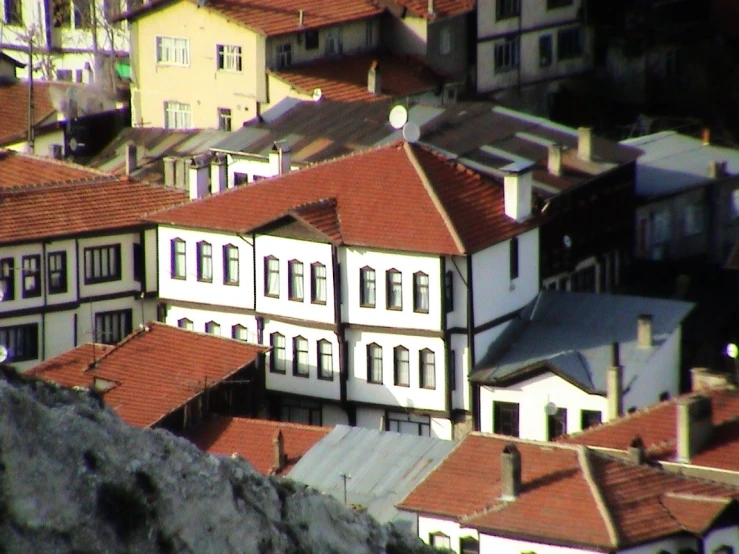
(401, 367)
(284, 55)
(507, 54)
(295, 271)
(239, 332)
(374, 363)
(325, 360)
(318, 283)
(229, 57)
(277, 354)
(300, 357)
(173, 51)
(427, 361)
(440, 540)
(271, 276)
(185, 323)
(177, 115)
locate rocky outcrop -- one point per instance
(75, 478)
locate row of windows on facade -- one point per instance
(22, 341)
(76, 14)
(569, 46)
(692, 223)
(467, 545)
(506, 9)
(506, 420)
(238, 331)
(102, 264)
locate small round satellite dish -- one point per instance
(3, 353)
(398, 117)
(411, 132)
(732, 350)
(550, 408)
(317, 94)
(567, 241)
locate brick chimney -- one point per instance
(694, 426)
(131, 158)
(554, 159)
(374, 79)
(585, 143)
(614, 385)
(510, 472)
(219, 173)
(706, 136)
(644, 331)
(637, 452)
(278, 451)
(431, 8)
(517, 190)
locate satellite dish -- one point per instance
(411, 132)
(317, 94)
(550, 408)
(567, 241)
(398, 117)
(3, 353)
(732, 350)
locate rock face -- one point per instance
(74, 478)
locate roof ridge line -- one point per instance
(434, 197)
(597, 494)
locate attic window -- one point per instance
(311, 39)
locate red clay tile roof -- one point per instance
(656, 425)
(253, 440)
(157, 370)
(98, 204)
(399, 197)
(569, 495)
(442, 8)
(345, 79)
(18, 169)
(694, 513)
(14, 108)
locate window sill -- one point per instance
(106, 280)
(295, 299)
(200, 280)
(179, 277)
(318, 302)
(231, 283)
(268, 295)
(395, 308)
(415, 311)
(32, 294)
(325, 378)
(507, 17)
(374, 382)
(404, 385)
(301, 375)
(372, 306)
(278, 371)
(429, 388)
(172, 64)
(58, 291)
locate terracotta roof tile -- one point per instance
(17, 169)
(345, 79)
(381, 202)
(97, 204)
(157, 370)
(253, 440)
(694, 513)
(442, 8)
(14, 108)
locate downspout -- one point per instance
(259, 319)
(443, 326)
(42, 270)
(520, 32)
(474, 389)
(340, 336)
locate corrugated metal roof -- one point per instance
(382, 466)
(573, 332)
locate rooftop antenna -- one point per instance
(345, 476)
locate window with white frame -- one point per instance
(325, 360)
(440, 540)
(284, 55)
(213, 328)
(173, 51)
(185, 323)
(660, 226)
(300, 357)
(21, 342)
(239, 332)
(205, 262)
(112, 327)
(13, 12)
(31, 276)
(229, 57)
(569, 43)
(102, 264)
(445, 41)
(394, 281)
(178, 256)
(177, 115)
(367, 287)
(224, 119)
(427, 363)
(57, 272)
(277, 358)
(374, 363)
(295, 282)
(507, 55)
(692, 220)
(469, 545)
(505, 9)
(411, 424)
(420, 292)
(318, 283)
(271, 277)
(401, 369)
(7, 279)
(301, 410)
(230, 265)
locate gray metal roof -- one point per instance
(572, 332)
(673, 162)
(384, 466)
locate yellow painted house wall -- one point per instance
(200, 84)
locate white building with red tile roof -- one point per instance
(77, 262)
(374, 278)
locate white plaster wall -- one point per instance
(226, 319)
(428, 525)
(728, 536)
(307, 252)
(490, 544)
(461, 394)
(252, 166)
(670, 544)
(370, 418)
(387, 393)
(407, 35)
(457, 265)
(126, 282)
(141, 311)
(333, 415)
(484, 339)
(17, 252)
(42, 141)
(353, 259)
(240, 296)
(534, 14)
(441, 428)
(151, 274)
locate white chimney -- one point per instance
(130, 152)
(169, 171)
(219, 173)
(510, 472)
(554, 159)
(278, 453)
(644, 331)
(432, 9)
(614, 385)
(197, 181)
(374, 79)
(694, 426)
(585, 143)
(280, 158)
(517, 190)
(301, 18)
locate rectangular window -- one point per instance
(545, 51)
(177, 115)
(173, 51)
(311, 39)
(421, 293)
(569, 44)
(7, 279)
(112, 327)
(31, 276)
(297, 410)
(21, 342)
(325, 360)
(64, 75)
(374, 363)
(692, 220)
(284, 55)
(401, 367)
(551, 4)
(367, 287)
(469, 545)
(588, 418)
(271, 277)
(505, 418)
(13, 13)
(205, 262)
(410, 424)
(178, 259)
(82, 14)
(295, 288)
(300, 357)
(102, 264)
(277, 358)
(394, 281)
(507, 55)
(514, 258)
(506, 9)
(229, 57)
(318, 283)
(557, 424)
(427, 361)
(224, 119)
(230, 265)
(138, 262)
(57, 267)
(449, 291)
(440, 540)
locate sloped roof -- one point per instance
(571, 333)
(399, 197)
(656, 425)
(155, 370)
(442, 8)
(345, 79)
(17, 169)
(94, 204)
(14, 108)
(570, 495)
(253, 440)
(382, 466)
